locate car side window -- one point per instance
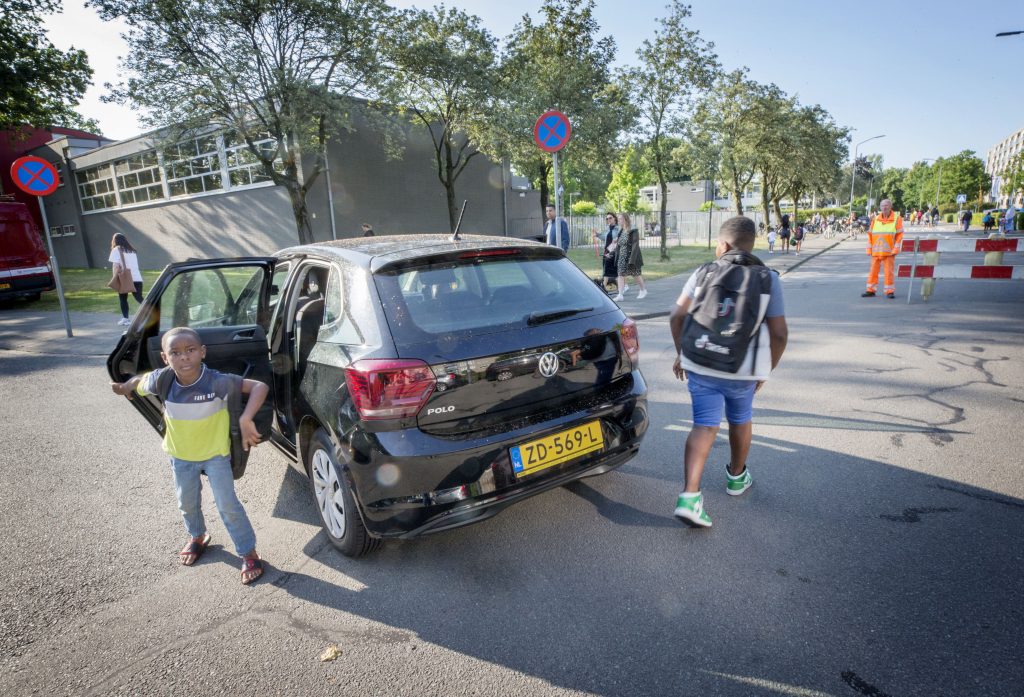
(339, 319)
(206, 298)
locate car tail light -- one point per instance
(489, 253)
(389, 388)
(630, 340)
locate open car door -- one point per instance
(227, 301)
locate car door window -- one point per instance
(207, 298)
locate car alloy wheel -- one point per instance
(339, 514)
(329, 497)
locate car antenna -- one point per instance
(455, 234)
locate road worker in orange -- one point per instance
(885, 239)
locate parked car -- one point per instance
(421, 384)
(24, 264)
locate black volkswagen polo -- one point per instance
(420, 383)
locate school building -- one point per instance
(208, 196)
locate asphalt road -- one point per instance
(878, 553)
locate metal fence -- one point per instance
(683, 228)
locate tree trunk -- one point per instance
(663, 215)
(777, 209)
(765, 200)
(449, 187)
(544, 191)
(302, 226)
(737, 193)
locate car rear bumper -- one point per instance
(440, 483)
(15, 284)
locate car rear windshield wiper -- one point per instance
(542, 317)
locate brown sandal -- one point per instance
(194, 549)
(250, 565)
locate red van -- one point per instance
(24, 264)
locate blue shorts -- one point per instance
(710, 394)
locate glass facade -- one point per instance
(190, 167)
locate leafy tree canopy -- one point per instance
(40, 85)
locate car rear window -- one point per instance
(483, 296)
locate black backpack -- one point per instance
(232, 384)
(723, 319)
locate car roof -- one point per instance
(383, 250)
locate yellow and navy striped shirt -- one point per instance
(196, 416)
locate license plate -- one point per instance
(4, 286)
(555, 449)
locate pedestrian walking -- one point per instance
(798, 237)
(609, 259)
(197, 439)
(368, 230)
(988, 222)
(123, 256)
(771, 240)
(784, 233)
(729, 330)
(966, 219)
(1009, 218)
(631, 260)
(557, 235)
(885, 239)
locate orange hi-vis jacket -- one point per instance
(885, 238)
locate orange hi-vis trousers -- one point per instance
(889, 262)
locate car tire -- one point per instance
(335, 503)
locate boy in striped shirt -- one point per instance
(197, 439)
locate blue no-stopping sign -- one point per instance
(552, 131)
(34, 176)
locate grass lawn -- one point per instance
(683, 259)
(86, 291)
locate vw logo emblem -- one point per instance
(548, 364)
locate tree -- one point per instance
(560, 64)
(672, 65)
(40, 85)
(963, 173)
(443, 63)
(1012, 176)
(818, 155)
(892, 187)
(724, 129)
(629, 173)
(287, 68)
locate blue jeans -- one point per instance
(709, 395)
(188, 487)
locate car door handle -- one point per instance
(245, 335)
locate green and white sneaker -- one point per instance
(690, 510)
(734, 486)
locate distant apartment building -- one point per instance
(999, 156)
(691, 195)
(207, 195)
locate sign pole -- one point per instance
(558, 202)
(55, 268)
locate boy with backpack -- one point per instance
(730, 332)
(197, 437)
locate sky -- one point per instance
(929, 75)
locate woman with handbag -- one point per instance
(127, 278)
(630, 259)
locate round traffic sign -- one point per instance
(34, 176)
(552, 131)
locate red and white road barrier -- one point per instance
(963, 244)
(962, 271)
(993, 267)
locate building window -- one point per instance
(244, 168)
(60, 173)
(193, 166)
(138, 178)
(55, 231)
(69, 230)
(96, 188)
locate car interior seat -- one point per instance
(309, 316)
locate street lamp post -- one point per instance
(853, 167)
